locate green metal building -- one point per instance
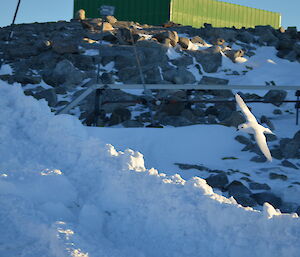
(185, 12)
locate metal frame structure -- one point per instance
(100, 87)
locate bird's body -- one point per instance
(252, 127)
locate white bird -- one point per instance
(252, 127)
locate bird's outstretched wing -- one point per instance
(249, 116)
(262, 143)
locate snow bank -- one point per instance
(65, 194)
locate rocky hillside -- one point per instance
(57, 61)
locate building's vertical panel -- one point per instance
(185, 12)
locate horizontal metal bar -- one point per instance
(196, 87)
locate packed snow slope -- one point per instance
(63, 193)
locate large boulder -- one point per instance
(179, 76)
(210, 58)
(64, 73)
(268, 197)
(218, 181)
(163, 36)
(275, 96)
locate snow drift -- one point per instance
(63, 194)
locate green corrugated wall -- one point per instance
(185, 12)
(142, 11)
(220, 14)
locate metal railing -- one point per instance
(100, 87)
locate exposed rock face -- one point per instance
(65, 55)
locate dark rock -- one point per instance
(218, 41)
(184, 42)
(258, 159)
(298, 211)
(172, 35)
(243, 140)
(111, 19)
(277, 112)
(288, 207)
(236, 188)
(183, 61)
(271, 137)
(179, 76)
(132, 124)
(268, 197)
(211, 119)
(65, 47)
(22, 51)
(210, 58)
(234, 54)
(218, 181)
(49, 95)
(176, 121)
(274, 175)
(289, 147)
(288, 164)
(245, 200)
(276, 153)
(266, 120)
(198, 40)
(258, 186)
(246, 37)
(119, 115)
(205, 80)
(26, 79)
(235, 119)
(275, 96)
(212, 110)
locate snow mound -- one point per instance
(65, 194)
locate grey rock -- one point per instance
(217, 181)
(276, 153)
(210, 58)
(206, 80)
(277, 112)
(289, 164)
(275, 96)
(49, 95)
(184, 42)
(235, 119)
(268, 197)
(245, 200)
(258, 159)
(183, 61)
(119, 115)
(236, 188)
(258, 186)
(21, 51)
(298, 211)
(274, 175)
(234, 54)
(243, 140)
(132, 124)
(211, 119)
(171, 35)
(179, 76)
(198, 40)
(289, 148)
(176, 121)
(288, 207)
(26, 79)
(246, 37)
(266, 120)
(65, 47)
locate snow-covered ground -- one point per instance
(66, 191)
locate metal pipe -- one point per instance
(14, 19)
